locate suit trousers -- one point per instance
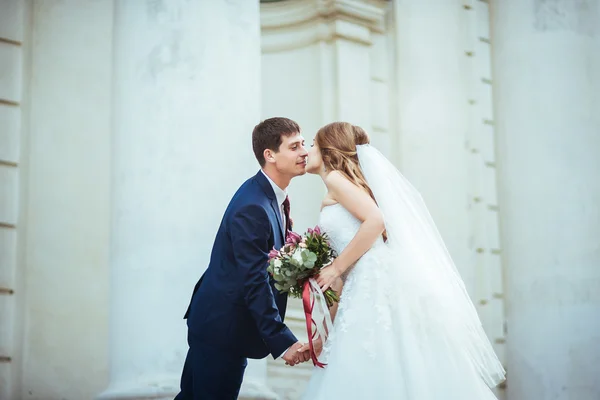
(210, 373)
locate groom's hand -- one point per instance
(293, 356)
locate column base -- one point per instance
(252, 390)
(167, 389)
(157, 389)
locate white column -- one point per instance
(432, 116)
(11, 100)
(546, 85)
(65, 192)
(186, 98)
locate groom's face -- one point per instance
(291, 157)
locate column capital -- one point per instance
(291, 24)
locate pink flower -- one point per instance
(293, 238)
(273, 254)
(317, 230)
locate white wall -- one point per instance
(56, 127)
(445, 138)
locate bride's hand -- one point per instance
(317, 346)
(327, 276)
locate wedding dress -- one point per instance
(405, 328)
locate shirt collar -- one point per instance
(280, 194)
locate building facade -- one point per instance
(125, 128)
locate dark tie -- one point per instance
(286, 211)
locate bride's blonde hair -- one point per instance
(337, 143)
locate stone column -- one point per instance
(186, 98)
(12, 55)
(432, 116)
(546, 83)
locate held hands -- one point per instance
(300, 353)
(327, 276)
(317, 345)
(294, 355)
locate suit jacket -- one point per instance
(234, 305)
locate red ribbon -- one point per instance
(309, 305)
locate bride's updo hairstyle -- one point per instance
(337, 143)
(360, 136)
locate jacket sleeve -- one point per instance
(250, 230)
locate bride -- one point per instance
(405, 327)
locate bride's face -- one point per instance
(315, 161)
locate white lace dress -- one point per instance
(387, 342)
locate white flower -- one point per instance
(298, 256)
(277, 267)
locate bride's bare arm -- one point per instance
(358, 202)
(337, 286)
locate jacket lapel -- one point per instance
(266, 187)
(275, 207)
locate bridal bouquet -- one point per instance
(293, 268)
(301, 258)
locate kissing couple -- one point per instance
(405, 327)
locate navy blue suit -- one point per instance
(235, 312)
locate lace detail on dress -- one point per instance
(339, 224)
(388, 341)
(341, 227)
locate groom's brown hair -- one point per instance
(267, 135)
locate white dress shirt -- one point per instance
(280, 194)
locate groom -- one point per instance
(235, 312)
